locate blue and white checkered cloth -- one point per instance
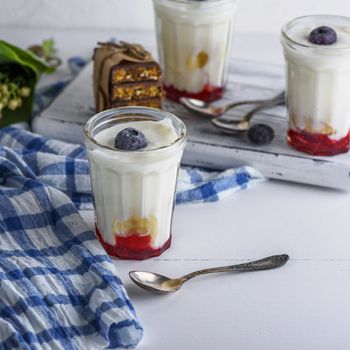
(65, 167)
(58, 288)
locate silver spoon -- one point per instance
(243, 124)
(162, 284)
(209, 110)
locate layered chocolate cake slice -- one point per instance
(126, 75)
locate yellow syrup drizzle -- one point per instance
(199, 61)
(137, 225)
(326, 129)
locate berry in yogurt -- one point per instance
(323, 36)
(130, 139)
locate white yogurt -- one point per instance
(134, 190)
(318, 77)
(157, 133)
(194, 41)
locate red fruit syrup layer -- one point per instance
(208, 94)
(317, 144)
(132, 247)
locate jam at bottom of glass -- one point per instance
(132, 247)
(209, 93)
(317, 144)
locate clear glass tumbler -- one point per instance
(318, 85)
(134, 191)
(194, 44)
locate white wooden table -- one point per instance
(304, 305)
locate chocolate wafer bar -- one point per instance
(126, 74)
(136, 90)
(131, 72)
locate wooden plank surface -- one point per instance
(208, 146)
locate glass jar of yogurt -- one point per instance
(134, 188)
(317, 56)
(194, 42)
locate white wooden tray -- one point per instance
(207, 146)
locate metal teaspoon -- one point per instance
(243, 124)
(161, 284)
(209, 110)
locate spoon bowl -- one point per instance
(155, 282)
(202, 107)
(231, 126)
(161, 284)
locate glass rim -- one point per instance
(329, 48)
(195, 1)
(135, 111)
(191, 5)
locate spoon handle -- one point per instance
(266, 102)
(271, 262)
(241, 103)
(279, 100)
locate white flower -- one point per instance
(24, 91)
(4, 88)
(13, 104)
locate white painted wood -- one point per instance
(303, 306)
(208, 146)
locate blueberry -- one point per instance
(130, 139)
(260, 134)
(323, 36)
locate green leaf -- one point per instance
(48, 46)
(26, 64)
(12, 54)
